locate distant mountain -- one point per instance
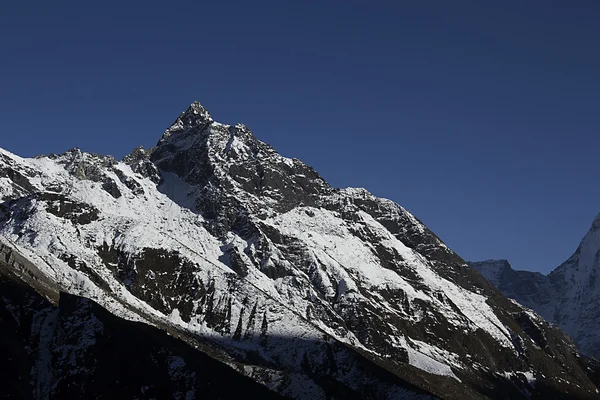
(211, 266)
(569, 296)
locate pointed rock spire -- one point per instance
(195, 118)
(196, 110)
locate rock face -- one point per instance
(569, 296)
(77, 349)
(252, 263)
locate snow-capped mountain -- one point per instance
(569, 296)
(226, 256)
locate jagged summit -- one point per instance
(194, 119)
(197, 109)
(222, 159)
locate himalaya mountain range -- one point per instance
(210, 266)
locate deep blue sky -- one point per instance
(480, 117)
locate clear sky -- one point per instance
(480, 117)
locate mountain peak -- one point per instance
(194, 119)
(212, 155)
(197, 109)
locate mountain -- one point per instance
(211, 265)
(531, 289)
(569, 296)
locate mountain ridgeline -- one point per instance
(212, 266)
(569, 296)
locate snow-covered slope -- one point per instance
(255, 260)
(569, 296)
